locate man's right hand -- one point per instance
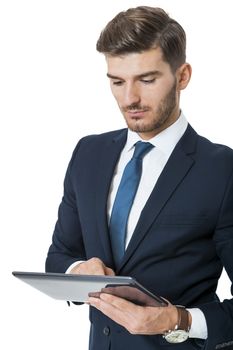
(93, 266)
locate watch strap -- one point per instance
(183, 318)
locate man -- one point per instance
(163, 215)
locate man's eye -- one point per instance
(118, 83)
(148, 81)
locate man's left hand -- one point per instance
(136, 319)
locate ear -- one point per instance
(183, 75)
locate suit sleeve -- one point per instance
(219, 315)
(67, 243)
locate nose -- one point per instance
(131, 95)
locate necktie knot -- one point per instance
(141, 149)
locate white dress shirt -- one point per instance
(153, 164)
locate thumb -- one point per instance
(109, 272)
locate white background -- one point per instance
(53, 90)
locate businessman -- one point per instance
(153, 201)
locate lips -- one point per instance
(136, 113)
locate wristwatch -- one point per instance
(181, 331)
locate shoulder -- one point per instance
(104, 137)
(214, 156)
(192, 142)
(209, 156)
(92, 144)
(212, 149)
(99, 141)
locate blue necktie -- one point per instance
(124, 199)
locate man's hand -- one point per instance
(93, 266)
(136, 319)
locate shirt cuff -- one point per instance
(76, 263)
(199, 326)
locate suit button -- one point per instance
(106, 331)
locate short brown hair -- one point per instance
(142, 28)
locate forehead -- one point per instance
(134, 64)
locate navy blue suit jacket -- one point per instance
(182, 240)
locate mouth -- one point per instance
(136, 113)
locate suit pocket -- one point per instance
(182, 220)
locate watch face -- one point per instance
(176, 336)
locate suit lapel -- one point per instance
(177, 167)
(109, 158)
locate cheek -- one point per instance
(154, 96)
(150, 98)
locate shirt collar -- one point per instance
(166, 140)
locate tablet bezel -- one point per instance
(76, 288)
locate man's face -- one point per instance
(146, 91)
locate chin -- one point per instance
(142, 127)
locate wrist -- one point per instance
(76, 268)
(179, 330)
(178, 318)
(173, 318)
(184, 318)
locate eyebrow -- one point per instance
(139, 76)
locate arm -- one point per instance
(219, 315)
(67, 252)
(67, 243)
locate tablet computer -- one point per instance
(78, 288)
